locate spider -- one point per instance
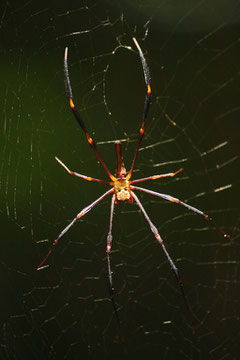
(123, 188)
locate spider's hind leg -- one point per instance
(110, 281)
(171, 263)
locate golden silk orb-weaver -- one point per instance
(122, 188)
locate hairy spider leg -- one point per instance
(154, 177)
(172, 265)
(146, 105)
(78, 117)
(88, 178)
(189, 207)
(77, 217)
(110, 281)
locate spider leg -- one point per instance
(154, 177)
(111, 288)
(78, 117)
(77, 217)
(80, 175)
(172, 265)
(189, 207)
(146, 104)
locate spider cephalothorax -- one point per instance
(122, 190)
(121, 183)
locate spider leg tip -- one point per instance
(66, 53)
(227, 236)
(41, 267)
(135, 42)
(178, 171)
(59, 161)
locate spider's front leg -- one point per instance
(77, 217)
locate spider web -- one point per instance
(64, 311)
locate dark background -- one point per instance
(63, 311)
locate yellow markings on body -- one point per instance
(89, 139)
(122, 189)
(72, 106)
(149, 89)
(158, 238)
(89, 178)
(171, 199)
(113, 178)
(142, 131)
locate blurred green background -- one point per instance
(63, 311)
